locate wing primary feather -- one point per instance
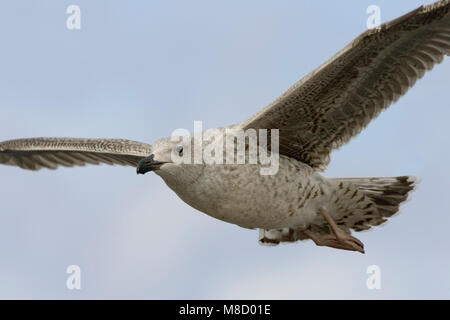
(37, 153)
(332, 104)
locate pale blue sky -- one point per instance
(139, 70)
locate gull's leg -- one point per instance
(339, 239)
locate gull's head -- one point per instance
(168, 157)
(160, 156)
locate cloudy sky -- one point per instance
(139, 70)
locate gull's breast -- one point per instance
(239, 194)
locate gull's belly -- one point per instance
(238, 194)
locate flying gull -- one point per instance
(318, 114)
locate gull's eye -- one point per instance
(180, 151)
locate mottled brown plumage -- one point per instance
(336, 101)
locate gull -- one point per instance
(317, 115)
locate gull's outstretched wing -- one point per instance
(37, 153)
(335, 102)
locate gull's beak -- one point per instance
(148, 164)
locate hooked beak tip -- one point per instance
(148, 164)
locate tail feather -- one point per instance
(386, 193)
(358, 204)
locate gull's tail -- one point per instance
(371, 200)
(357, 204)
